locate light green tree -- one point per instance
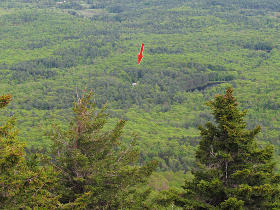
(23, 184)
(97, 171)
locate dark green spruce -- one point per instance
(233, 171)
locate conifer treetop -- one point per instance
(233, 171)
(225, 110)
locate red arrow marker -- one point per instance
(140, 56)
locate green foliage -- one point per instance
(97, 171)
(233, 171)
(24, 185)
(192, 51)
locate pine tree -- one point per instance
(97, 171)
(234, 172)
(23, 184)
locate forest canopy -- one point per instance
(194, 50)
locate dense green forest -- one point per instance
(51, 50)
(90, 167)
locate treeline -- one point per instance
(91, 168)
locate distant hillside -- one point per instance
(193, 50)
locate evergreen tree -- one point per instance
(234, 172)
(23, 184)
(97, 171)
